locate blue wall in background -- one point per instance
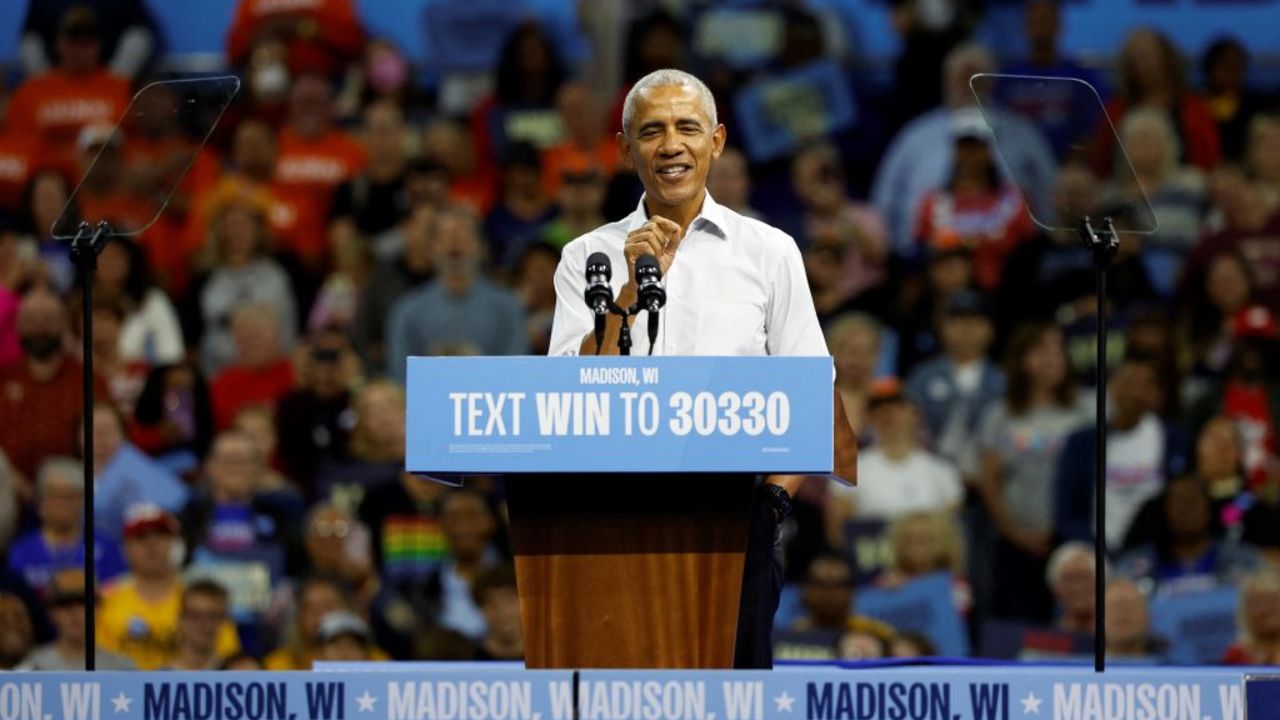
(1093, 27)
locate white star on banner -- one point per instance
(121, 702)
(1031, 704)
(783, 702)
(366, 701)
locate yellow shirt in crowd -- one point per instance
(147, 632)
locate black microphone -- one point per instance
(599, 293)
(650, 293)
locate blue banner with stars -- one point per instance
(389, 691)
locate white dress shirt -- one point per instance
(736, 287)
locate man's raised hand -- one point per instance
(659, 237)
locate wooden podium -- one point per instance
(629, 550)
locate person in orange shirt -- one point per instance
(52, 108)
(293, 218)
(320, 35)
(314, 155)
(585, 145)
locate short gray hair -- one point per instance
(66, 470)
(667, 77)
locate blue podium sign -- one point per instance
(619, 414)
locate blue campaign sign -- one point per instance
(1262, 697)
(779, 112)
(532, 695)
(1199, 626)
(619, 414)
(925, 605)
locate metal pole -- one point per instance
(1100, 481)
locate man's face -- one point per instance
(233, 467)
(202, 616)
(16, 634)
(42, 321)
(1127, 617)
(1136, 389)
(254, 149)
(344, 648)
(61, 503)
(79, 53)
(967, 336)
(150, 555)
(1074, 587)
(457, 245)
(671, 144)
(467, 524)
(828, 592)
(502, 611)
(319, 599)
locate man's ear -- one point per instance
(718, 137)
(624, 150)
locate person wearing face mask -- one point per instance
(460, 306)
(40, 395)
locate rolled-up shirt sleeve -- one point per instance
(792, 324)
(572, 319)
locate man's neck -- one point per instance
(1125, 423)
(458, 285)
(69, 649)
(385, 170)
(1131, 647)
(1044, 56)
(1189, 550)
(683, 213)
(469, 567)
(188, 659)
(155, 588)
(896, 449)
(1081, 622)
(60, 536)
(504, 647)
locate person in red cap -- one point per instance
(1250, 393)
(139, 615)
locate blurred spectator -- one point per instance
(1142, 452)
(124, 380)
(1175, 193)
(124, 476)
(1250, 229)
(1019, 444)
(929, 32)
(845, 241)
(580, 202)
(66, 597)
(150, 331)
(920, 157)
(459, 307)
(472, 181)
(925, 542)
(343, 637)
(1188, 551)
(58, 542)
(1070, 575)
(469, 528)
(923, 301)
(234, 517)
(1249, 393)
(403, 519)
(494, 592)
(1257, 622)
(375, 450)
(314, 420)
(854, 340)
(139, 615)
(337, 546)
(901, 476)
(8, 501)
(384, 75)
(258, 422)
(41, 393)
(1225, 290)
(315, 155)
(173, 419)
(975, 207)
(239, 272)
(1128, 624)
(320, 36)
(729, 182)
(317, 597)
(17, 163)
(17, 264)
(259, 373)
(51, 108)
(827, 598)
(1219, 463)
(241, 661)
(205, 609)
(375, 199)
(954, 389)
(1232, 103)
(1054, 107)
(1153, 76)
(17, 636)
(654, 40)
(112, 186)
(1262, 156)
(533, 283)
(523, 208)
(585, 145)
(392, 278)
(911, 645)
(45, 199)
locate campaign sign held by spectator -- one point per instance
(779, 113)
(1200, 626)
(925, 606)
(620, 414)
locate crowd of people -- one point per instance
(251, 506)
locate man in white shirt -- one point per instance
(735, 286)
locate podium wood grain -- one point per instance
(627, 571)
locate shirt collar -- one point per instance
(712, 215)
